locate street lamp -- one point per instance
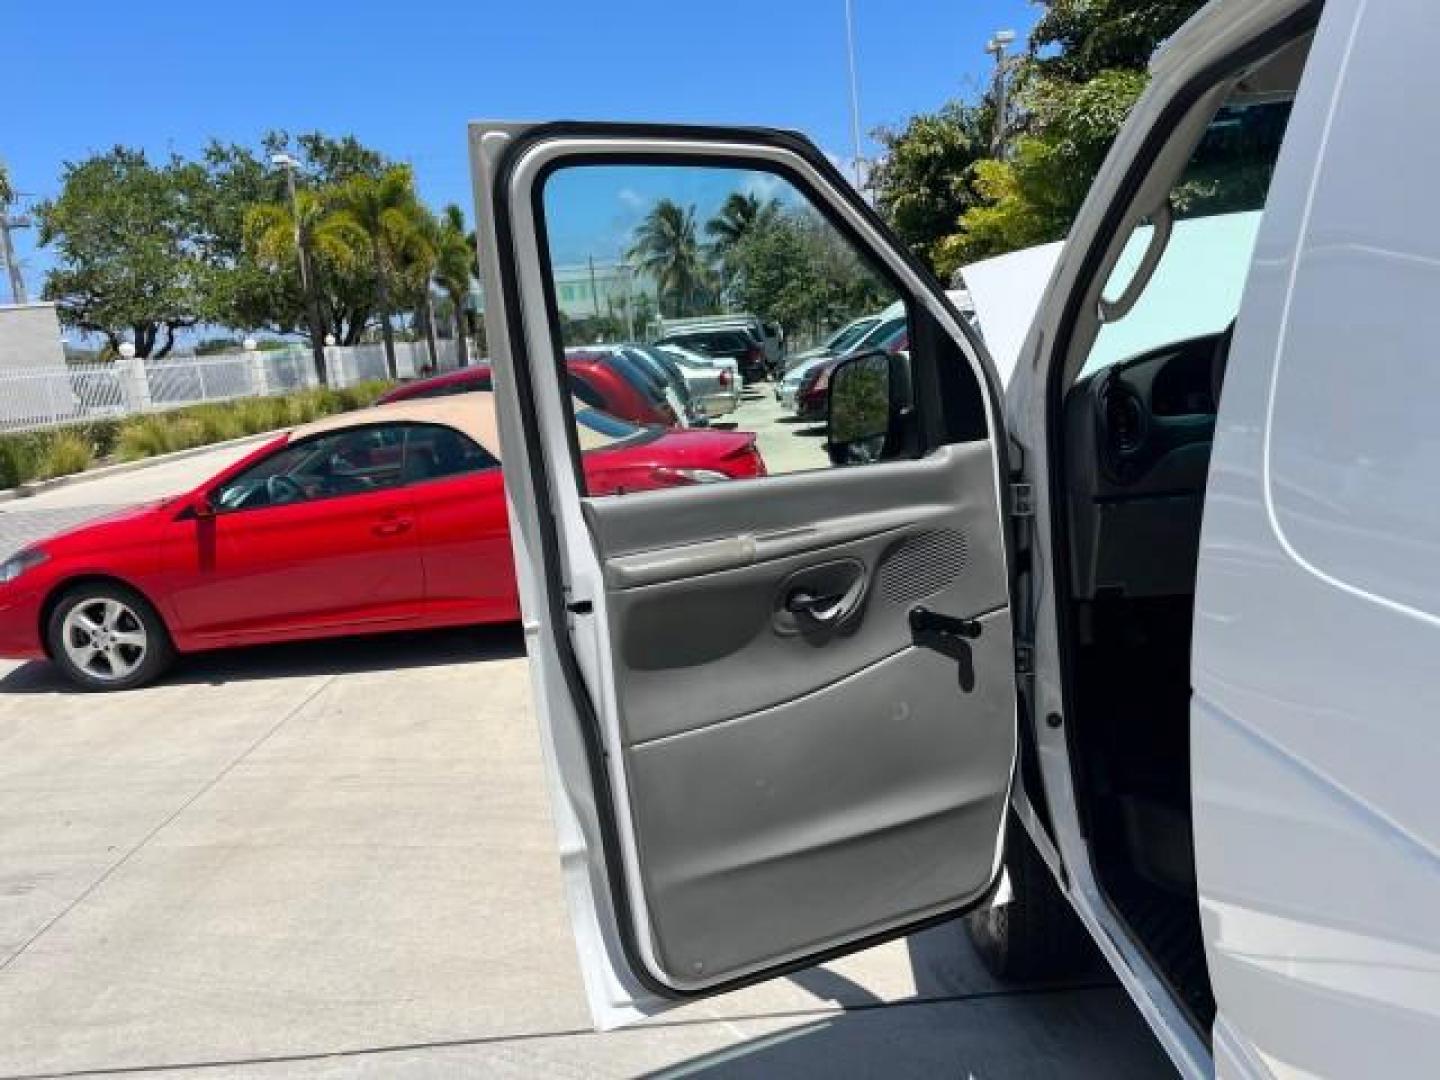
(854, 89)
(996, 47)
(312, 308)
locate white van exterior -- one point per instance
(1287, 722)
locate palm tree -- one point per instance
(420, 264)
(329, 237)
(7, 189)
(456, 256)
(737, 217)
(385, 209)
(666, 249)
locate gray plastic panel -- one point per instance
(874, 801)
(719, 645)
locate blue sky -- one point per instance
(592, 211)
(170, 74)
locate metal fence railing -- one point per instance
(54, 395)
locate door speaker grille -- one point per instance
(922, 565)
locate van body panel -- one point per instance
(1043, 366)
(1317, 622)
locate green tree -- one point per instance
(798, 271)
(249, 293)
(1032, 196)
(925, 181)
(1076, 40)
(666, 248)
(387, 213)
(7, 189)
(127, 262)
(336, 246)
(1085, 71)
(453, 272)
(738, 216)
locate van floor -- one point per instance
(1133, 742)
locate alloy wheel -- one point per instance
(105, 638)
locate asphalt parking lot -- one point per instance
(336, 859)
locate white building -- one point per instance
(595, 289)
(30, 337)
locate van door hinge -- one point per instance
(1022, 500)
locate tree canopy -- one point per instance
(145, 249)
(131, 261)
(953, 201)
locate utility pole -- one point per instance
(7, 254)
(312, 302)
(594, 292)
(996, 48)
(854, 90)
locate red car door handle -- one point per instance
(392, 527)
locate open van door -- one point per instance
(778, 714)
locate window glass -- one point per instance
(679, 244)
(351, 462)
(1196, 286)
(433, 452)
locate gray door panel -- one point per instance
(838, 815)
(720, 644)
(792, 784)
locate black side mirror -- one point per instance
(864, 407)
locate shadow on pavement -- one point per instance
(959, 1023)
(335, 656)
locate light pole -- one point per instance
(854, 88)
(996, 48)
(7, 252)
(312, 303)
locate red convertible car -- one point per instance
(385, 519)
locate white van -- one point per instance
(1143, 647)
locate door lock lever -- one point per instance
(948, 636)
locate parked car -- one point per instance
(667, 377)
(835, 344)
(803, 390)
(812, 395)
(769, 335)
(619, 390)
(713, 382)
(732, 344)
(1152, 631)
(384, 519)
(787, 390)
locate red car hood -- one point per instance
(90, 533)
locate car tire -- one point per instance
(106, 636)
(1037, 935)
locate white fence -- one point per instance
(49, 396)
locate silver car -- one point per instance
(713, 381)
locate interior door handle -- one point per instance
(821, 610)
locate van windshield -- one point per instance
(1217, 203)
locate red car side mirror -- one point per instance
(202, 507)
